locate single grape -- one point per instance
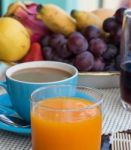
(77, 43)
(110, 53)
(119, 14)
(45, 41)
(48, 53)
(98, 65)
(97, 47)
(63, 51)
(60, 43)
(84, 61)
(92, 32)
(76, 34)
(110, 25)
(56, 39)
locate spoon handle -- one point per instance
(5, 120)
(13, 121)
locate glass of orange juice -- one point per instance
(66, 117)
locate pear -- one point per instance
(14, 40)
(103, 13)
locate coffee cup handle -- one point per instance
(3, 84)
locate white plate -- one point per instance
(99, 79)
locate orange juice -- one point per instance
(66, 124)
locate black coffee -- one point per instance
(41, 75)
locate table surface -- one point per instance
(13, 141)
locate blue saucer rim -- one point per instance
(4, 98)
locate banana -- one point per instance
(85, 19)
(56, 19)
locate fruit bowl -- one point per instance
(100, 79)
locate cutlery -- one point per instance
(10, 117)
(14, 121)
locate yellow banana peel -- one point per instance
(56, 19)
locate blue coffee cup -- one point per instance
(20, 91)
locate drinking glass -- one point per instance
(66, 117)
(125, 77)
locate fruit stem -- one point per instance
(73, 12)
(39, 8)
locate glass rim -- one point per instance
(93, 105)
(126, 12)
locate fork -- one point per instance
(121, 141)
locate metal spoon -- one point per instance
(14, 121)
(10, 117)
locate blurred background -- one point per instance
(71, 4)
(93, 4)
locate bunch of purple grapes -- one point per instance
(113, 27)
(73, 50)
(85, 51)
(88, 50)
(104, 53)
(55, 48)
